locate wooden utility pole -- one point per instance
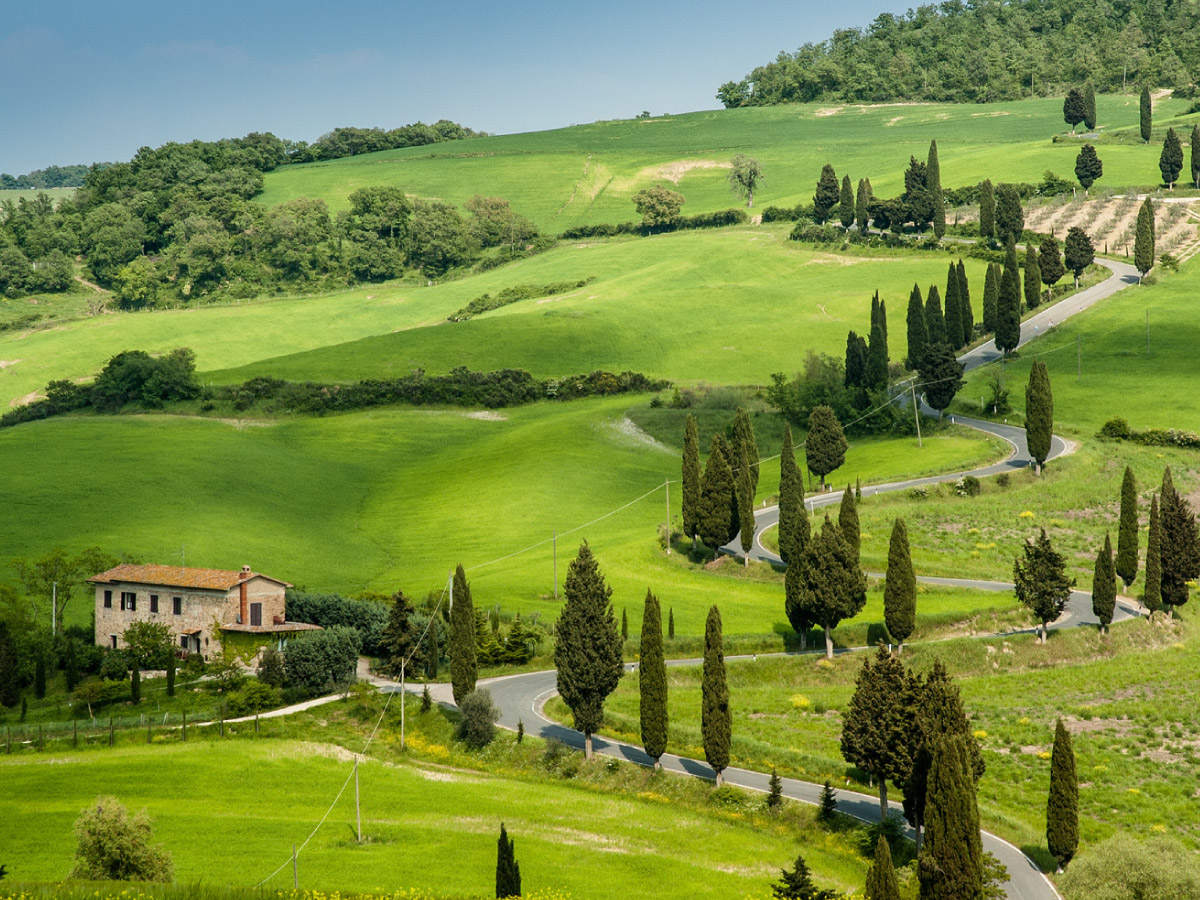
(403, 671)
(295, 870)
(357, 808)
(1079, 357)
(667, 488)
(555, 540)
(916, 413)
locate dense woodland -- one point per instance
(987, 50)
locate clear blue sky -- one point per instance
(92, 80)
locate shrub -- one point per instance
(255, 696)
(95, 694)
(1156, 869)
(367, 617)
(320, 661)
(1003, 480)
(477, 721)
(968, 486)
(114, 846)
(270, 668)
(114, 666)
(1116, 428)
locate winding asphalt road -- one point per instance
(520, 698)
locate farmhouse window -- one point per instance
(108, 599)
(183, 641)
(128, 600)
(177, 605)
(154, 603)
(255, 613)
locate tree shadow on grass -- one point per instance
(1041, 856)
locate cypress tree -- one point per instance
(1008, 306)
(1180, 557)
(135, 679)
(874, 309)
(935, 321)
(825, 446)
(941, 375)
(1127, 531)
(10, 688)
(933, 184)
(463, 665)
(900, 587)
(1033, 277)
(433, 652)
(1078, 252)
(862, 199)
(950, 866)
(713, 523)
(508, 871)
(1074, 108)
(1146, 117)
(991, 299)
(876, 375)
(1089, 107)
(39, 675)
(846, 203)
(987, 210)
(71, 667)
(918, 331)
(1195, 144)
(691, 478)
(877, 724)
(848, 522)
(1050, 264)
(1062, 806)
(1039, 414)
(1143, 240)
(401, 639)
(716, 723)
(827, 194)
(1088, 167)
(953, 315)
(791, 497)
(856, 360)
(671, 623)
(1040, 581)
(652, 682)
(743, 439)
(1170, 162)
(1010, 218)
(831, 585)
(587, 648)
(745, 497)
(883, 319)
(775, 794)
(1152, 599)
(964, 304)
(624, 625)
(1104, 586)
(881, 875)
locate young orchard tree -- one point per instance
(1039, 414)
(1127, 531)
(987, 210)
(1078, 252)
(877, 725)
(1180, 544)
(464, 667)
(1088, 168)
(918, 330)
(1170, 162)
(900, 588)
(832, 586)
(1143, 239)
(691, 478)
(1104, 586)
(745, 175)
(652, 682)
(827, 196)
(587, 648)
(716, 723)
(1041, 583)
(825, 447)
(846, 203)
(1062, 805)
(1146, 117)
(1050, 264)
(1033, 277)
(1074, 108)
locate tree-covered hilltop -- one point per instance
(986, 50)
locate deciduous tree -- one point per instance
(745, 175)
(40, 576)
(652, 682)
(827, 194)
(716, 723)
(1088, 167)
(825, 446)
(1104, 586)
(1041, 583)
(111, 845)
(463, 665)
(1127, 531)
(1062, 806)
(877, 725)
(658, 206)
(1078, 252)
(900, 587)
(1039, 414)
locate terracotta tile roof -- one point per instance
(177, 576)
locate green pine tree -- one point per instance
(691, 478)
(743, 439)
(1062, 806)
(775, 790)
(846, 203)
(918, 331)
(1039, 414)
(716, 724)
(991, 299)
(1033, 277)
(935, 321)
(508, 871)
(745, 498)
(1104, 586)
(463, 665)
(714, 524)
(877, 725)
(1008, 304)
(1089, 107)
(587, 647)
(1127, 531)
(964, 304)
(827, 811)
(987, 211)
(791, 497)
(652, 682)
(900, 587)
(1146, 117)
(1050, 264)
(401, 639)
(861, 200)
(881, 875)
(953, 315)
(1180, 556)
(1088, 167)
(1040, 581)
(827, 194)
(798, 885)
(1143, 239)
(933, 183)
(1170, 162)
(1152, 598)
(135, 679)
(1074, 108)
(848, 522)
(825, 447)
(950, 866)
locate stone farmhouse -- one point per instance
(204, 608)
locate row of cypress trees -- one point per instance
(718, 504)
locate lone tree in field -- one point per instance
(658, 206)
(743, 439)
(1127, 531)
(881, 875)
(745, 175)
(1104, 586)
(832, 586)
(1033, 277)
(508, 871)
(953, 313)
(1152, 597)
(862, 200)
(1074, 108)
(935, 319)
(941, 376)
(1170, 162)
(1062, 806)
(918, 330)
(950, 866)
(827, 195)
(652, 682)
(461, 650)
(877, 724)
(1089, 107)
(1010, 218)
(825, 447)
(848, 521)
(1180, 544)
(1008, 304)
(1146, 118)
(846, 203)
(691, 478)
(933, 184)
(714, 520)
(1050, 264)
(991, 298)
(791, 501)
(1041, 583)
(987, 210)
(1078, 252)
(1088, 168)
(112, 845)
(900, 588)
(745, 501)
(587, 647)
(1039, 414)
(1143, 239)
(716, 723)
(1195, 144)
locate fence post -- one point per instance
(256, 723)
(222, 721)
(7, 739)
(185, 728)
(149, 725)
(75, 732)
(40, 744)
(110, 731)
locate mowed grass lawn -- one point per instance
(229, 814)
(589, 173)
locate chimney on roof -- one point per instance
(242, 576)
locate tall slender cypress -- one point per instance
(846, 203)
(1062, 806)
(508, 871)
(987, 210)
(935, 321)
(827, 194)
(1010, 217)
(135, 679)
(883, 319)
(953, 314)
(1008, 306)
(881, 875)
(918, 331)
(991, 299)
(652, 682)
(1050, 264)
(900, 587)
(848, 522)
(875, 377)
(791, 498)
(1127, 531)
(745, 497)
(1143, 239)
(933, 184)
(861, 200)
(964, 304)
(1170, 162)
(1146, 118)
(1033, 277)
(464, 667)
(1039, 414)
(950, 866)
(743, 439)
(691, 477)
(1152, 599)
(1195, 145)
(1180, 544)
(716, 723)
(71, 668)
(1089, 106)
(714, 521)
(1104, 586)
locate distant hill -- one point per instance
(987, 50)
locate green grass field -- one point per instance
(588, 173)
